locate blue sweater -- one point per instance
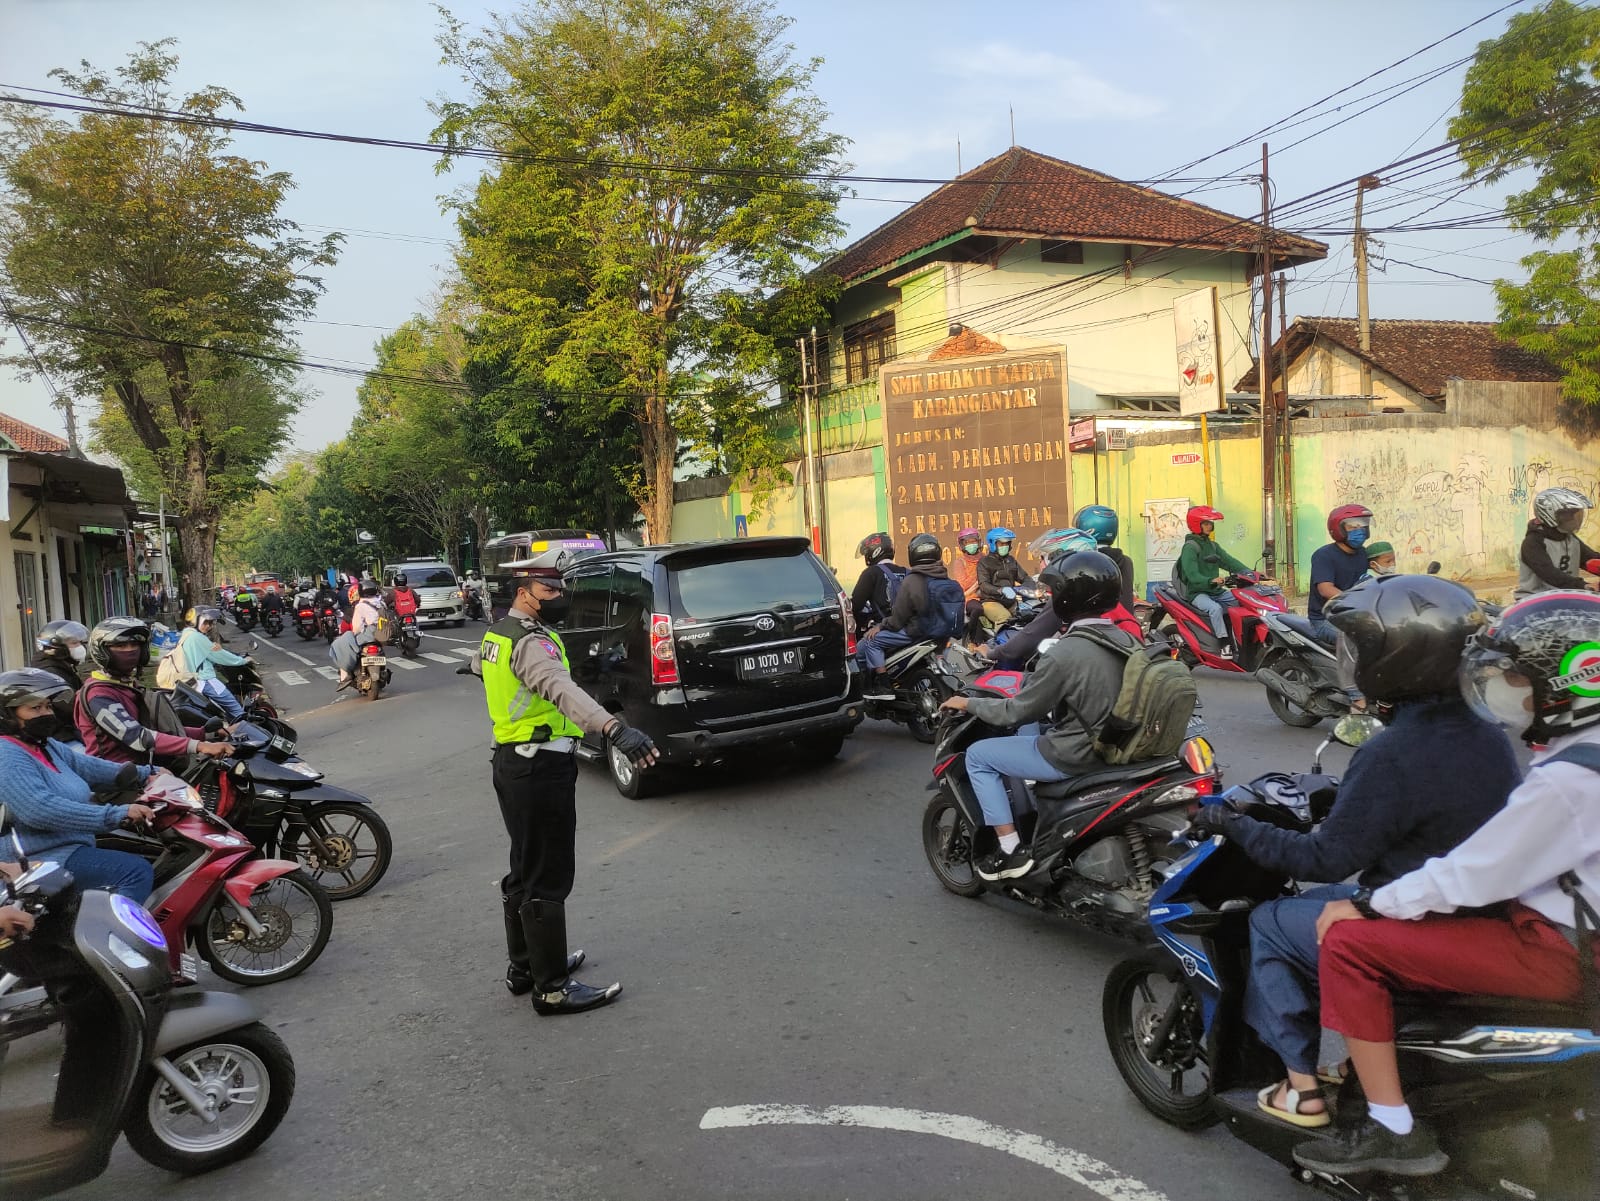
(51, 810)
(1416, 791)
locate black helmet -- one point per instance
(369, 587)
(924, 549)
(399, 579)
(120, 631)
(1536, 670)
(1401, 636)
(876, 547)
(26, 686)
(1083, 584)
(60, 635)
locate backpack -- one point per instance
(1150, 719)
(946, 614)
(168, 676)
(894, 578)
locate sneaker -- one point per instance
(1225, 651)
(1373, 1147)
(1001, 866)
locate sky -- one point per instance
(1134, 89)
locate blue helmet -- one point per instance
(1099, 520)
(998, 535)
(1052, 543)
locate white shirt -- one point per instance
(1550, 826)
(367, 611)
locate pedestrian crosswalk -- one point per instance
(457, 655)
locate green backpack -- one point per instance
(1150, 719)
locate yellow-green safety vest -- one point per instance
(516, 712)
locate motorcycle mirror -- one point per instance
(1353, 729)
(1592, 566)
(1433, 568)
(215, 724)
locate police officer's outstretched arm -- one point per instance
(536, 662)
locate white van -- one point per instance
(437, 587)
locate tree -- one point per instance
(1531, 102)
(151, 266)
(671, 161)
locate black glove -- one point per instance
(1214, 819)
(635, 744)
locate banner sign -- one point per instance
(1194, 319)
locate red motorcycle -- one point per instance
(1189, 632)
(255, 921)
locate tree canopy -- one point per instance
(153, 268)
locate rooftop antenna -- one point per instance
(1012, 109)
(958, 154)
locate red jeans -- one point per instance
(1364, 962)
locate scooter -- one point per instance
(329, 620)
(305, 619)
(1506, 1083)
(192, 1077)
(410, 636)
(920, 677)
(372, 672)
(255, 921)
(1099, 840)
(244, 612)
(272, 622)
(1189, 632)
(472, 599)
(1300, 673)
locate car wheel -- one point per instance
(460, 621)
(631, 782)
(823, 747)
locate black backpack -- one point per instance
(946, 614)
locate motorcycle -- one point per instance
(280, 803)
(244, 681)
(1300, 673)
(1505, 1082)
(1190, 634)
(305, 620)
(254, 920)
(472, 599)
(372, 672)
(329, 619)
(1099, 841)
(920, 677)
(272, 622)
(191, 1077)
(244, 612)
(1031, 601)
(410, 636)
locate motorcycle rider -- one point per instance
(366, 626)
(1537, 861)
(114, 712)
(964, 570)
(406, 603)
(1074, 687)
(1415, 790)
(1023, 644)
(60, 651)
(1101, 522)
(1202, 565)
(1552, 554)
(1338, 565)
(198, 656)
(45, 785)
(272, 602)
(873, 595)
(999, 575)
(904, 624)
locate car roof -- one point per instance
(670, 550)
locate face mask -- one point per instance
(77, 651)
(1356, 538)
(37, 729)
(125, 662)
(970, 548)
(1381, 569)
(1002, 551)
(553, 611)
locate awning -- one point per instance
(78, 481)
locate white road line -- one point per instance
(405, 664)
(292, 677)
(446, 638)
(298, 658)
(466, 651)
(1091, 1173)
(437, 657)
(327, 673)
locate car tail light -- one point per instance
(663, 659)
(849, 625)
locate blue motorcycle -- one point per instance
(1505, 1082)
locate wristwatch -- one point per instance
(1362, 900)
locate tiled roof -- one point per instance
(1023, 192)
(31, 437)
(1421, 354)
(968, 342)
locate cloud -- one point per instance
(1045, 83)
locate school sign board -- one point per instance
(978, 442)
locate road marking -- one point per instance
(405, 664)
(292, 677)
(327, 673)
(437, 658)
(1091, 1173)
(466, 651)
(295, 657)
(447, 638)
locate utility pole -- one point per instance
(1269, 423)
(808, 373)
(1363, 320)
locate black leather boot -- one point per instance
(544, 926)
(519, 976)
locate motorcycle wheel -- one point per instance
(924, 690)
(247, 1072)
(374, 686)
(351, 850)
(308, 635)
(947, 842)
(298, 918)
(1137, 995)
(1290, 667)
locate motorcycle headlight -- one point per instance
(139, 922)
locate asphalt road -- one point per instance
(782, 943)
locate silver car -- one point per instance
(437, 587)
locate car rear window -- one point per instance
(731, 587)
(430, 577)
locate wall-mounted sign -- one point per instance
(977, 442)
(1183, 460)
(1194, 319)
(1080, 435)
(1117, 438)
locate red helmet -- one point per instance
(1199, 513)
(1342, 514)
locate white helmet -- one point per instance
(1552, 502)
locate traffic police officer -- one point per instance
(539, 716)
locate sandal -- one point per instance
(1334, 1074)
(1293, 1114)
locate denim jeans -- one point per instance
(990, 761)
(1324, 632)
(1216, 608)
(218, 691)
(1280, 998)
(115, 871)
(872, 651)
